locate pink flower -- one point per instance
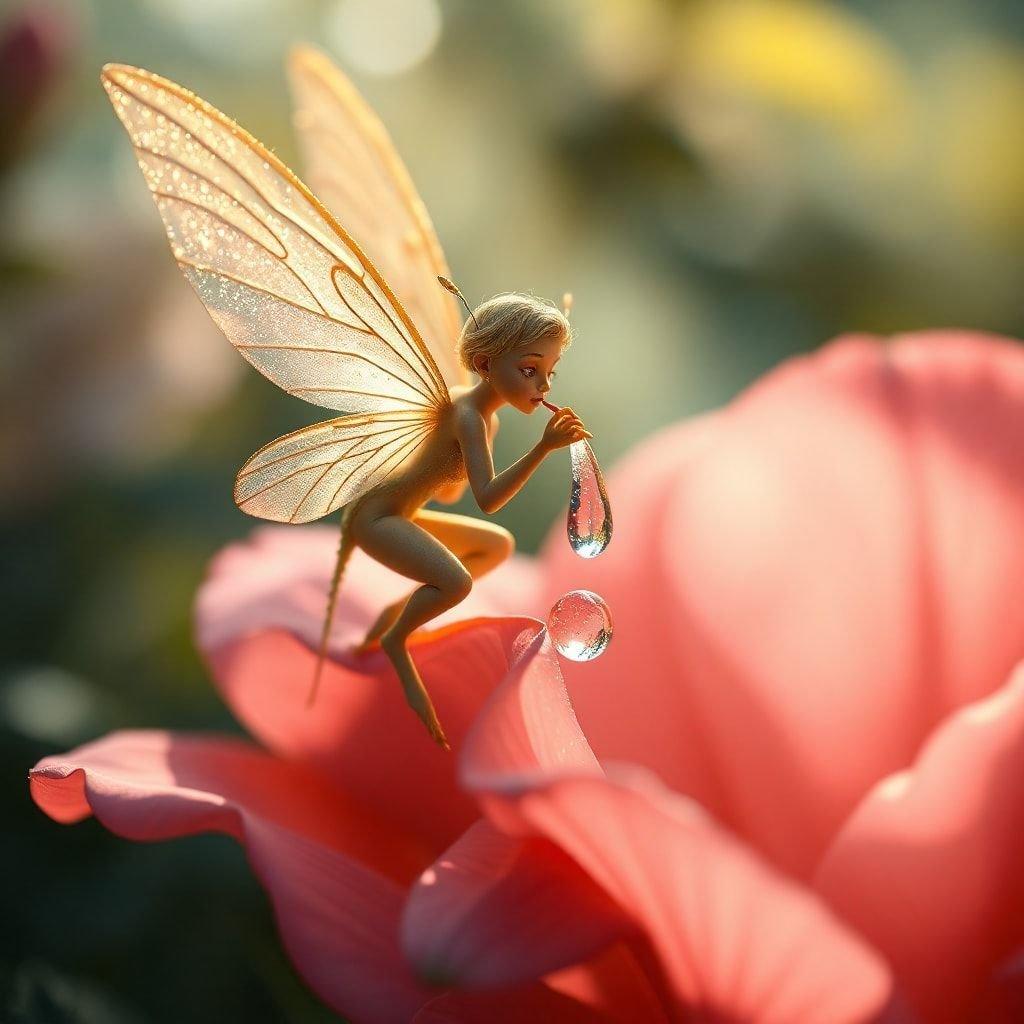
(35, 44)
(791, 790)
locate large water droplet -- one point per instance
(589, 522)
(580, 625)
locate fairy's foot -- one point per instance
(419, 700)
(384, 622)
(415, 692)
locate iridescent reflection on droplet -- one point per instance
(580, 625)
(589, 522)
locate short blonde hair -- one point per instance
(508, 321)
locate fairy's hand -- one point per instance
(562, 429)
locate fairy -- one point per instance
(303, 303)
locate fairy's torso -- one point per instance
(436, 464)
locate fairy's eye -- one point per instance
(527, 371)
(553, 373)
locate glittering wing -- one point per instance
(354, 168)
(284, 281)
(311, 472)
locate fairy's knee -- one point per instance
(489, 552)
(504, 543)
(456, 583)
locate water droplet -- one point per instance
(580, 625)
(589, 522)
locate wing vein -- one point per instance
(416, 433)
(334, 352)
(271, 205)
(316, 483)
(400, 332)
(295, 472)
(281, 260)
(266, 291)
(362, 320)
(174, 198)
(299, 392)
(317, 465)
(338, 461)
(322, 444)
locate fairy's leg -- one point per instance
(480, 546)
(413, 552)
(377, 630)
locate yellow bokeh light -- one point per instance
(810, 58)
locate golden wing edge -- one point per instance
(304, 58)
(418, 427)
(108, 78)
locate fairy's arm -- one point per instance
(493, 492)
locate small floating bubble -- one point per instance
(580, 625)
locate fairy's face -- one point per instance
(522, 377)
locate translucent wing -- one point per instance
(284, 281)
(311, 472)
(354, 168)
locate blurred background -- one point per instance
(719, 183)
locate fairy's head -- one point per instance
(513, 342)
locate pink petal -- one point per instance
(1002, 1002)
(496, 910)
(615, 984)
(732, 936)
(280, 577)
(308, 845)
(736, 940)
(928, 866)
(805, 584)
(360, 732)
(527, 726)
(535, 1003)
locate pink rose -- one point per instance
(792, 790)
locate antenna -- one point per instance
(452, 287)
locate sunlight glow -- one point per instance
(383, 37)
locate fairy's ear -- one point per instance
(481, 364)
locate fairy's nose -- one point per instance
(545, 387)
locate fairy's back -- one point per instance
(438, 463)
